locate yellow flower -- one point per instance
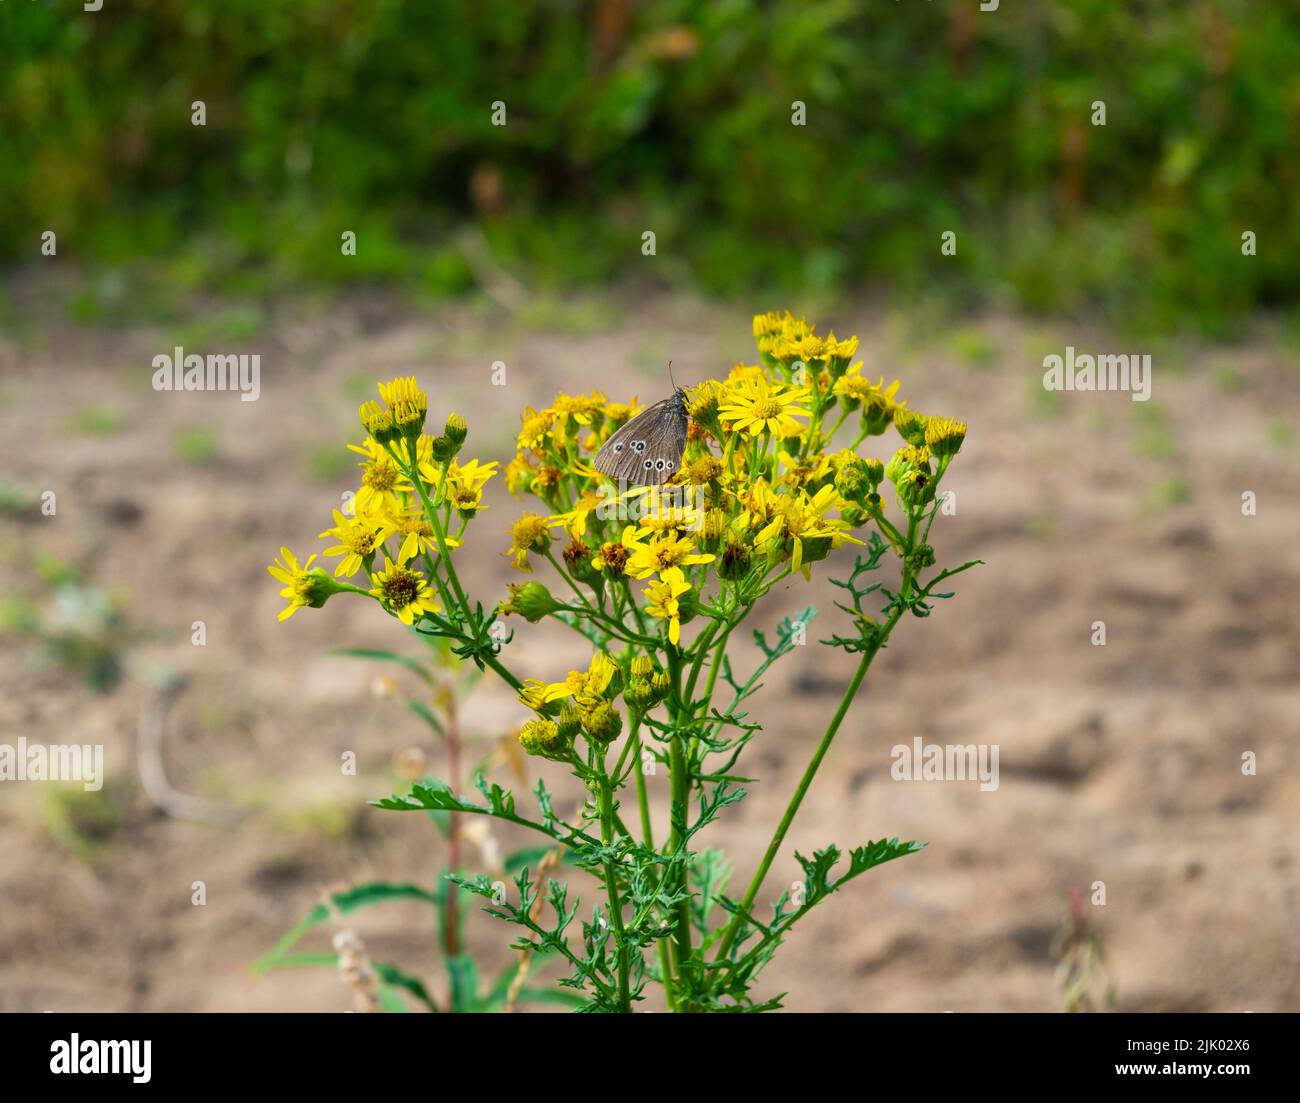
(404, 592)
(533, 694)
(702, 470)
(665, 508)
(519, 475)
(620, 412)
(575, 520)
(665, 553)
(358, 538)
(761, 408)
(527, 534)
(771, 323)
(403, 389)
(702, 403)
(405, 403)
(745, 373)
(804, 523)
(299, 586)
(807, 347)
(586, 687)
(841, 350)
(463, 487)
(663, 600)
(473, 474)
(534, 425)
(381, 479)
(417, 534)
(584, 409)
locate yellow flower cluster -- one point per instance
(762, 491)
(408, 481)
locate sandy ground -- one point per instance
(1119, 763)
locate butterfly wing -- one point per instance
(648, 449)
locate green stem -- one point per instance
(611, 886)
(743, 911)
(680, 788)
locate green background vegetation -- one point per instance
(375, 116)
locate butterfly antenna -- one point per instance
(670, 375)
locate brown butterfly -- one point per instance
(648, 449)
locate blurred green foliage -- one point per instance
(375, 116)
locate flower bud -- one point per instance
(715, 527)
(662, 685)
(736, 559)
(543, 737)
(910, 426)
(944, 435)
(577, 557)
(915, 488)
(613, 558)
(642, 666)
(532, 601)
(378, 422)
(443, 450)
(569, 721)
(602, 723)
(639, 694)
(851, 477)
(456, 430)
(409, 419)
(318, 587)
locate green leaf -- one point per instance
(395, 977)
(529, 856)
(380, 656)
(464, 983)
(389, 974)
(426, 714)
(359, 896)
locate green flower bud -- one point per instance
(569, 721)
(378, 422)
(577, 557)
(532, 601)
(318, 586)
(409, 419)
(603, 723)
(543, 737)
(911, 426)
(456, 430)
(915, 488)
(443, 449)
(851, 478)
(642, 666)
(639, 694)
(662, 685)
(736, 559)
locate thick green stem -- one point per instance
(680, 788)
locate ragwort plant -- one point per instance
(658, 579)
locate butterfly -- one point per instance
(648, 449)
